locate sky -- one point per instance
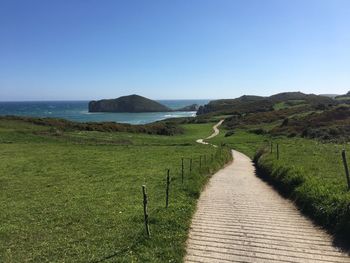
(178, 49)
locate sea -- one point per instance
(78, 111)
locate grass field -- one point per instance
(76, 196)
(308, 171)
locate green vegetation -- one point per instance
(72, 191)
(312, 173)
(288, 104)
(328, 123)
(254, 104)
(70, 194)
(159, 128)
(343, 98)
(245, 104)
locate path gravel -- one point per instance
(240, 218)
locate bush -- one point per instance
(229, 133)
(159, 128)
(285, 122)
(258, 131)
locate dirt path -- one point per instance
(240, 218)
(215, 133)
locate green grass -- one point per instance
(313, 174)
(242, 140)
(76, 196)
(308, 171)
(343, 98)
(288, 104)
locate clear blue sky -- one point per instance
(91, 49)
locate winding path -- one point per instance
(240, 218)
(215, 133)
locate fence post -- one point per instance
(182, 170)
(278, 151)
(191, 165)
(167, 189)
(346, 168)
(200, 162)
(212, 157)
(145, 201)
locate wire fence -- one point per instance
(175, 179)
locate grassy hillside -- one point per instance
(75, 195)
(255, 104)
(323, 123)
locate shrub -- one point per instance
(159, 128)
(258, 131)
(229, 133)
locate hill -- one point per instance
(251, 104)
(242, 104)
(132, 103)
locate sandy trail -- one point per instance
(215, 133)
(240, 218)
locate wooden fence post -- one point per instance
(346, 168)
(212, 157)
(182, 170)
(167, 189)
(190, 165)
(145, 201)
(278, 151)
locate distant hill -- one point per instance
(132, 103)
(251, 104)
(329, 95)
(239, 105)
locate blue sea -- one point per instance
(78, 111)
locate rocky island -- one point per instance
(132, 103)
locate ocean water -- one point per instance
(78, 111)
